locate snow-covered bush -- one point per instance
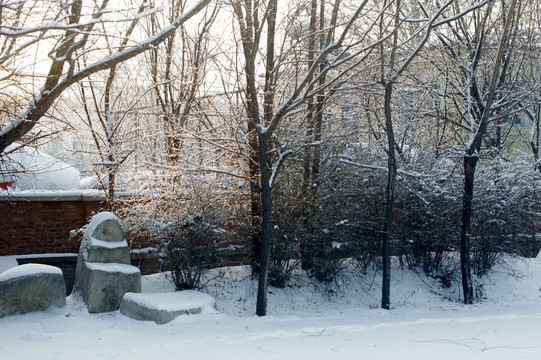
(506, 212)
(189, 250)
(323, 227)
(339, 219)
(187, 226)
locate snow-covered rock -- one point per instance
(164, 307)
(31, 287)
(104, 241)
(104, 273)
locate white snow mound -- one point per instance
(28, 270)
(30, 169)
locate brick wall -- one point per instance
(38, 224)
(32, 225)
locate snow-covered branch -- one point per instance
(44, 100)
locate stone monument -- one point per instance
(104, 273)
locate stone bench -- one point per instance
(164, 307)
(104, 284)
(31, 287)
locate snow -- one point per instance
(112, 267)
(307, 320)
(89, 241)
(28, 270)
(174, 301)
(108, 244)
(94, 182)
(97, 220)
(143, 251)
(31, 169)
(7, 262)
(51, 195)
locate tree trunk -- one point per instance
(320, 99)
(391, 177)
(305, 250)
(470, 163)
(111, 189)
(255, 199)
(472, 156)
(534, 142)
(310, 100)
(266, 204)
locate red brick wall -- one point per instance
(42, 224)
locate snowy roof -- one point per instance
(25, 168)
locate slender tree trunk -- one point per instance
(266, 204)
(306, 256)
(111, 189)
(391, 177)
(472, 156)
(310, 100)
(262, 142)
(255, 199)
(320, 99)
(534, 141)
(318, 127)
(470, 163)
(246, 13)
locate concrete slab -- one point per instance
(164, 307)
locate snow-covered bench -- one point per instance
(164, 307)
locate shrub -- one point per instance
(188, 250)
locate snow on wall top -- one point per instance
(28, 270)
(108, 244)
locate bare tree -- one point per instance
(177, 70)
(103, 118)
(72, 33)
(481, 95)
(400, 44)
(321, 33)
(256, 19)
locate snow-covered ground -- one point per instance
(307, 320)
